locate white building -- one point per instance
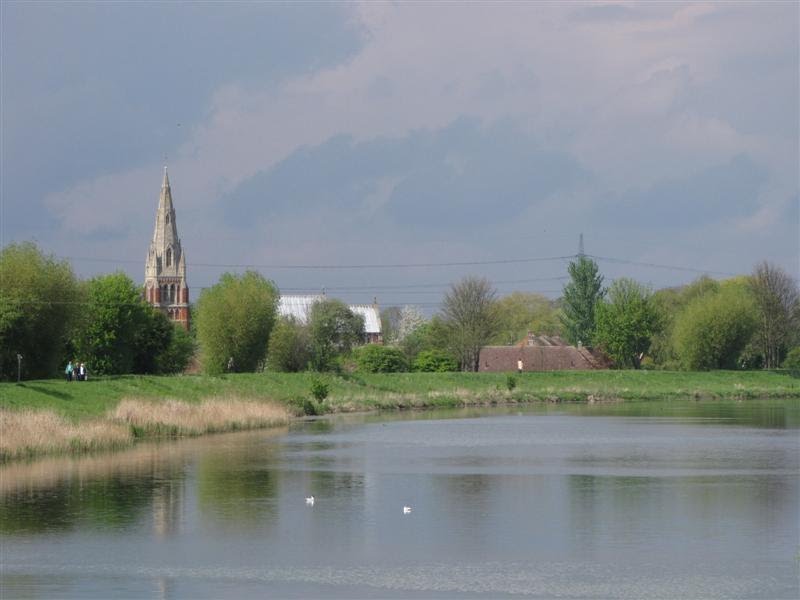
(299, 307)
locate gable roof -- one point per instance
(540, 358)
(299, 307)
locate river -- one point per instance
(645, 500)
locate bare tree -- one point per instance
(777, 298)
(469, 311)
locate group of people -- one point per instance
(76, 371)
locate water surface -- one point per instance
(615, 501)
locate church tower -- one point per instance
(165, 269)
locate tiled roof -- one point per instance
(540, 358)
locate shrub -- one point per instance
(511, 382)
(380, 359)
(434, 361)
(319, 389)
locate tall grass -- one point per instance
(28, 433)
(173, 418)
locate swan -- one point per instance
(310, 500)
(406, 510)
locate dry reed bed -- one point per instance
(31, 433)
(28, 433)
(172, 417)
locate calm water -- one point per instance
(630, 501)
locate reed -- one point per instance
(29, 433)
(174, 418)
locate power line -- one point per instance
(471, 263)
(658, 266)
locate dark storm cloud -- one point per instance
(465, 174)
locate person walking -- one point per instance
(82, 372)
(68, 371)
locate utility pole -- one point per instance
(580, 246)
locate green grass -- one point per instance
(96, 397)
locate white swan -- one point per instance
(310, 500)
(406, 510)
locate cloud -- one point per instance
(465, 174)
(417, 118)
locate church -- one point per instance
(165, 277)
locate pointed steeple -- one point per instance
(165, 268)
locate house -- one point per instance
(541, 353)
(299, 307)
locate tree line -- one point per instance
(49, 316)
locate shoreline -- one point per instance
(45, 418)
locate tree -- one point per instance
(176, 356)
(580, 297)
(234, 319)
(39, 299)
(289, 346)
(432, 335)
(521, 312)
(390, 324)
(667, 304)
(714, 329)
(776, 297)
(151, 339)
(409, 320)
(471, 318)
(106, 334)
(334, 330)
(625, 323)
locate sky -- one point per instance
(385, 150)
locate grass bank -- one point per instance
(145, 406)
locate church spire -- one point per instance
(165, 268)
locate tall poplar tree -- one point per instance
(580, 298)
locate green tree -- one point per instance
(234, 319)
(715, 328)
(432, 335)
(177, 355)
(114, 313)
(777, 299)
(334, 330)
(39, 299)
(151, 339)
(373, 358)
(579, 299)
(471, 318)
(289, 346)
(521, 312)
(667, 304)
(625, 323)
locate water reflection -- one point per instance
(108, 491)
(686, 499)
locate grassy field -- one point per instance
(97, 402)
(98, 396)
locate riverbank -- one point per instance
(249, 400)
